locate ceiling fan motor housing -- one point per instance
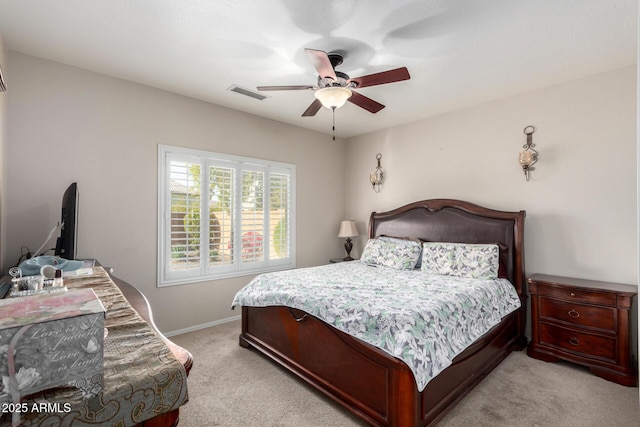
(335, 58)
(341, 81)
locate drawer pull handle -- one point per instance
(574, 314)
(574, 341)
(297, 319)
(573, 294)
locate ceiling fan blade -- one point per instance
(313, 108)
(299, 87)
(365, 102)
(321, 61)
(384, 77)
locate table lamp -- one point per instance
(348, 229)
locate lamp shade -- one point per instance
(348, 229)
(333, 96)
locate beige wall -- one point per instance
(3, 145)
(68, 124)
(581, 201)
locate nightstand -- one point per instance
(585, 322)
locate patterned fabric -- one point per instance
(401, 255)
(476, 261)
(423, 319)
(142, 377)
(437, 258)
(406, 241)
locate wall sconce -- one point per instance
(529, 156)
(377, 176)
(348, 229)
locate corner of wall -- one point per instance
(3, 150)
(637, 312)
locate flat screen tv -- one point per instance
(67, 242)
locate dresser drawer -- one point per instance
(574, 294)
(581, 343)
(602, 318)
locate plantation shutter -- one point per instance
(222, 216)
(252, 216)
(279, 209)
(185, 204)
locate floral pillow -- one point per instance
(437, 257)
(401, 255)
(478, 261)
(407, 241)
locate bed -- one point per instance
(367, 380)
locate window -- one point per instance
(222, 216)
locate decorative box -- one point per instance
(51, 340)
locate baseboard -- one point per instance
(202, 326)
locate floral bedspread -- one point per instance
(423, 319)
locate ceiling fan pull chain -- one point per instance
(333, 110)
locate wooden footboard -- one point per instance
(469, 368)
(368, 382)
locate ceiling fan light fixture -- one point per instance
(333, 96)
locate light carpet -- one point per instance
(234, 386)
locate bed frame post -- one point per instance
(521, 283)
(402, 394)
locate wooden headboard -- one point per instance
(447, 220)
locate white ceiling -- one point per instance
(459, 52)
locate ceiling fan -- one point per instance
(334, 88)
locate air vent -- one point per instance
(247, 92)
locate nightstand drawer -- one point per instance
(573, 294)
(602, 318)
(581, 343)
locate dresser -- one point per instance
(144, 374)
(583, 321)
